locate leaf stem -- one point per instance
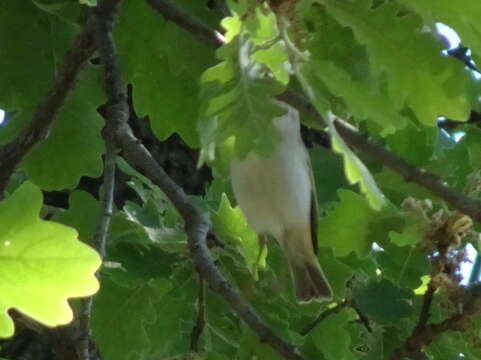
(323, 315)
(362, 318)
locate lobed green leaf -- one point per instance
(42, 263)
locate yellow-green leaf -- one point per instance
(42, 263)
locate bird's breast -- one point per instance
(274, 192)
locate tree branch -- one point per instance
(188, 22)
(12, 154)
(409, 172)
(197, 223)
(441, 265)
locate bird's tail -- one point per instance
(309, 279)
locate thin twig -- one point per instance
(107, 198)
(188, 22)
(197, 223)
(116, 111)
(323, 315)
(101, 234)
(108, 193)
(362, 318)
(200, 319)
(13, 153)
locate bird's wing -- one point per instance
(314, 207)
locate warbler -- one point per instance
(277, 195)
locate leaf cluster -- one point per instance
(388, 246)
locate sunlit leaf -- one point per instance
(239, 101)
(356, 171)
(42, 263)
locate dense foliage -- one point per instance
(391, 249)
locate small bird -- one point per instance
(277, 196)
